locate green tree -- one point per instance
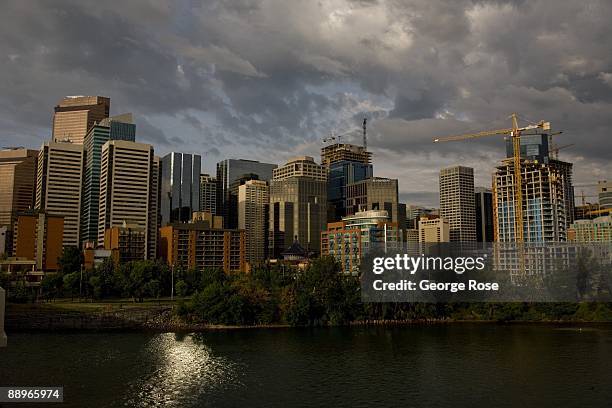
(70, 260)
(71, 283)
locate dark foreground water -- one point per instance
(438, 366)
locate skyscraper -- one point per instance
(208, 194)
(125, 189)
(548, 200)
(17, 188)
(119, 127)
(484, 214)
(253, 209)
(376, 193)
(58, 185)
(298, 205)
(457, 202)
(228, 171)
(180, 186)
(346, 164)
(75, 115)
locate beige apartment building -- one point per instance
(58, 185)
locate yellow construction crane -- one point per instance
(515, 132)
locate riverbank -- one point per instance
(159, 316)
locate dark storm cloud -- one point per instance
(268, 79)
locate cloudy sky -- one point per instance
(268, 79)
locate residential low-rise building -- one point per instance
(597, 230)
(350, 239)
(201, 246)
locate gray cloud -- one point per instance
(268, 79)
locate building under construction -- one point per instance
(339, 152)
(548, 200)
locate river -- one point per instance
(469, 365)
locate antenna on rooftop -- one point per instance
(365, 140)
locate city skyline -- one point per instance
(250, 93)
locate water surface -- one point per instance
(430, 366)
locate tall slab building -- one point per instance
(457, 204)
(127, 178)
(298, 205)
(75, 115)
(17, 188)
(120, 127)
(228, 171)
(376, 193)
(58, 186)
(208, 194)
(253, 208)
(180, 186)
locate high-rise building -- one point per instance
(154, 205)
(597, 230)
(346, 164)
(126, 181)
(201, 246)
(484, 214)
(38, 236)
(548, 201)
(58, 186)
(376, 193)
(180, 186)
(120, 127)
(457, 202)
(434, 230)
(298, 205)
(350, 239)
(414, 214)
(75, 115)
(17, 188)
(253, 210)
(604, 191)
(228, 171)
(208, 194)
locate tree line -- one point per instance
(269, 294)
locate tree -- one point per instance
(71, 283)
(71, 260)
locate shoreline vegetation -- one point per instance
(136, 296)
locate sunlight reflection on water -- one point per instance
(182, 371)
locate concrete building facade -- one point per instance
(298, 205)
(75, 115)
(126, 183)
(200, 246)
(208, 194)
(58, 186)
(17, 189)
(253, 212)
(457, 202)
(119, 127)
(435, 230)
